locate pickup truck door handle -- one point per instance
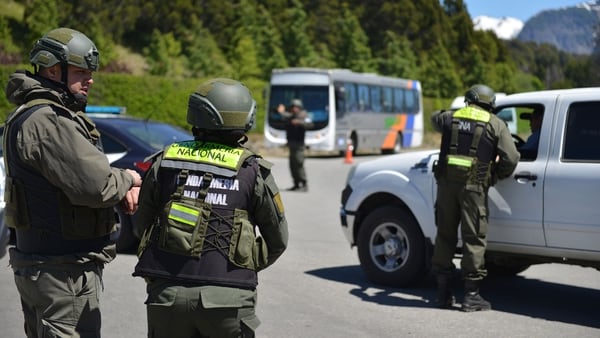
(525, 176)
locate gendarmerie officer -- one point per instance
(201, 204)
(477, 149)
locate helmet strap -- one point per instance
(64, 69)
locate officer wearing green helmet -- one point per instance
(60, 189)
(200, 206)
(476, 151)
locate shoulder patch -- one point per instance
(278, 203)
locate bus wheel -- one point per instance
(354, 139)
(398, 144)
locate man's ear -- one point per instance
(53, 73)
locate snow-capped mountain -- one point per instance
(570, 29)
(505, 28)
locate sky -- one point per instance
(520, 9)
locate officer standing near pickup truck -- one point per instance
(200, 205)
(476, 150)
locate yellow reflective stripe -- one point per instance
(459, 162)
(471, 113)
(205, 152)
(183, 214)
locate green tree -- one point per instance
(9, 52)
(503, 78)
(164, 54)
(398, 58)
(475, 70)
(268, 40)
(353, 52)
(244, 59)
(218, 17)
(244, 55)
(204, 58)
(40, 17)
(297, 46)
(438, 77)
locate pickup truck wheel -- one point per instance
(391, 247)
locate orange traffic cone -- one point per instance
(349, 150)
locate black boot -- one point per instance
(295, 187)
(473, 301)
(445, 298)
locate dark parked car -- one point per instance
(127, 142)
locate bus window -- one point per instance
(351, 97)
(314, 98)
(364, 101)
(340, 101)
(375, 98)
(399, 100)
(387, 99)
(411, 101)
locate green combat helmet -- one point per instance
(66, 46)
(221, 104)
(297, 103)
(482, 96)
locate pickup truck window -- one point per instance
(582, 135)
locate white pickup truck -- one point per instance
(547, 211)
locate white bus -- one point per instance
(375, 113)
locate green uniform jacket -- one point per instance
(58, 149)
(497, 130)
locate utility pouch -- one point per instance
(460, 168)
(246, 250)
(15, 211)
(185, 228)
(79, 222)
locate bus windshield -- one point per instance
(314, 98)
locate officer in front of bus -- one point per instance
(200, 205)
(297, 122)
(476, 150)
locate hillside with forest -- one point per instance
(430, 40)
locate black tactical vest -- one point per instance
(204, 234)
(44, 219)
(467, 152)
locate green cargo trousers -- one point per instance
(296, 159)
(58, 299)
(466, 205)
(183, 311)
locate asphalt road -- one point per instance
(317, 288)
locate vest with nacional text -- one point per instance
(203, 229)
